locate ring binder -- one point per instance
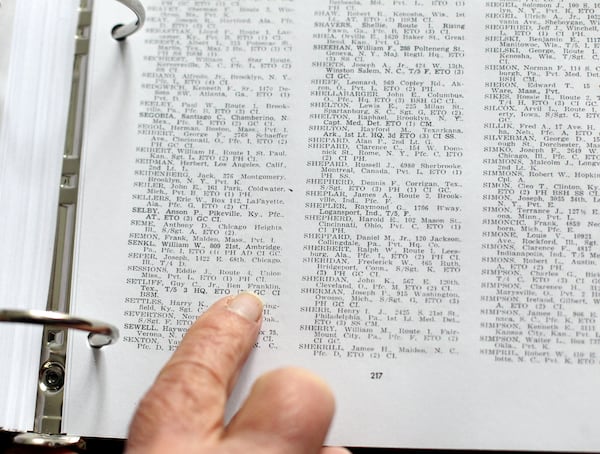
(100, 334)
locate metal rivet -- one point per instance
(52, 376)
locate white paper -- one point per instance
(6, 21)
(32, 134)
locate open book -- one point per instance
(410, 186)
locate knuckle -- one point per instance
(216, 347)
(185, 396)
(190, 376)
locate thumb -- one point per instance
(288, 410)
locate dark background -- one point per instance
(112, 446)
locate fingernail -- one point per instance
(246, 304)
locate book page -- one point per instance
(408, 185)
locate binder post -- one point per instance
(48, 411)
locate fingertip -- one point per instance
(246, 304)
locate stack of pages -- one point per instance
(37, 65)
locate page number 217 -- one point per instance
(376, 375)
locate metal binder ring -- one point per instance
(49, 440)
(122, 31)
(100, 334)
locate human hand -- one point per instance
(288, 410)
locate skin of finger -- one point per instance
(189, 395)
(288, 410)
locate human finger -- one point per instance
(189, 395)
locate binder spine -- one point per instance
(54, 341)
